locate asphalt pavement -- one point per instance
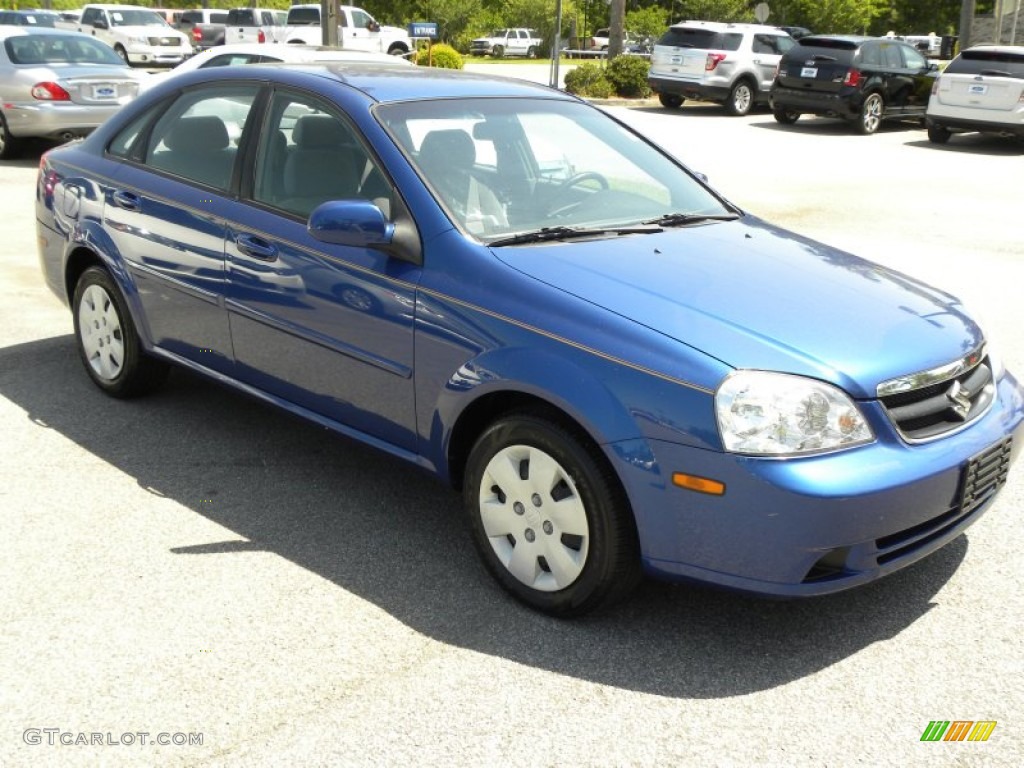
(199, 566)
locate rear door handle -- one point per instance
(256, 247)
(126, 200)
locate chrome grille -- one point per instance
(930, 404)
(173, 42)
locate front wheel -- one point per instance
(670, 100)
(870, 114)
(120, 51)
(741, 99)
(497, 52)
(938, 134)
(397, 50)
(549, 518)
(107, 340)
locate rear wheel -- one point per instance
(670, 100)
(741, 99)
(870, 114)
(9, 145)
(938, 134)
(548, 517)
(107, 340)
(531, 52)
(785, 116)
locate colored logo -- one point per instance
(958, 730)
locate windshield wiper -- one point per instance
(569, 233)
(683, 219)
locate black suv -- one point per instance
(862, 79)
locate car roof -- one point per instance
(727, 25)
(384, 83)
(997, 48)
(12, 30)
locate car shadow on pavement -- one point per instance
(394, 536)
(975, 144)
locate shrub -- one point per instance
(628, 76)
(588, 80)
(443, 56)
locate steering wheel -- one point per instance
(579, 178)
(572, 181)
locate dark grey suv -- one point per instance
(861, 79)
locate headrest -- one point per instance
(452, 147)
(199, 134)
(319, 132)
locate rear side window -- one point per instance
(705, 39)
(772, 44)
(993, 63)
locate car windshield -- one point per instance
(502, 167)
(136, 18)
(60, 49)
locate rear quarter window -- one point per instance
(1003, 63)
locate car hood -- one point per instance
(756, 296)
(148, 30)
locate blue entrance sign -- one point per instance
(423, 29)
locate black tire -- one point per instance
(785, 116)
(531, 52)
(871, 112)
(397, 50)
(108, 343)
(592, 541)
(10, 147)
(741, 99)
(498, 51)
(670, 100)
(938, 134)
(120, 51)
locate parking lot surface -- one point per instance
(196, 563)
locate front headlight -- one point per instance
(137, 40)
(778, 414)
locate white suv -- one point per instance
(732, 64)
(982, 89)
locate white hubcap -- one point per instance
(534, 518)
(100, 330)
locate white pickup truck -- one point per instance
(138, 34)
(518, 41)
(357, 30)
(254, 25)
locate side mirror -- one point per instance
(933, 67)
(373, 26)
(355, 223)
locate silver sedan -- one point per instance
(58, 85)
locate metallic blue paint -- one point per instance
(628, 337)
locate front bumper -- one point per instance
(55, 120)
(818, 524)
(150, 56)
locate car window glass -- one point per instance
(870, 55)
(523, 166)
(361, 19)
(229, 60)
(197, 137)
(124, 141)
(308, 155)
(765, 44)
(976, 62)
(913, 59)
(891, 56)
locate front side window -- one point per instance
(309, 155)
(914, 60)
(502, 166)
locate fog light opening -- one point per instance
(829, 566)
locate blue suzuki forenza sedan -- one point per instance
(620, 371)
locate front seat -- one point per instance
(447, 158)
